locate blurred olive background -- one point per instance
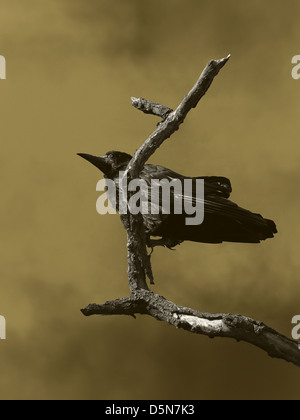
(72, 66)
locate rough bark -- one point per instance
(238, 327)
(142, 300)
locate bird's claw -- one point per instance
(170, 248)
(165, 242)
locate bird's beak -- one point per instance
(99, 161)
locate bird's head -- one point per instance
(110, 164)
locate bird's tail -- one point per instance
(230, 223)
(247, 227)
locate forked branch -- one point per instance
(142, 300)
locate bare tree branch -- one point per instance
(171, 124)
(237, 327)
(142, 300)
(149, 107)
(139, 267)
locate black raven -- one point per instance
(224, 221)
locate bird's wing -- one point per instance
(217, 186)
(219, 206)
(213, 185)
(223, 219)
